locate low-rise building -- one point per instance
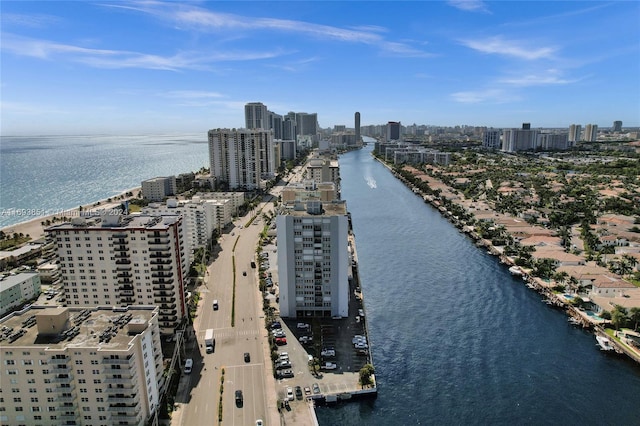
(16, 289)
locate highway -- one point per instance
(236, 331)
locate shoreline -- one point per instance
(35, 229)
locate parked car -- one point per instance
(328, 352)
(307, 390)
(298, 392)
(289, 393)
(239, 398)
(244, 273)
(303, 325)
(247, 357)
(279, 333)
(306, 339)
(284, 355)
(316, 388)
(285, 374)
(275, 325)
(280, 341)
(329, 366)
(283, 365)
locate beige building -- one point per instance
(16, 289)
(82, 366)
(118, 260)
(159, 188)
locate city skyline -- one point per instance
(138, 67)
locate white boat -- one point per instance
(515, 270)
(604, 343)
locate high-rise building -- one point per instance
(323, 169)
(617, 126)
(393, 131)
(357, 127)
(553, 141)
(307, 124)
(241, 158)
(97, 366)
(491, 139)
(289, 128)
(158, 188)
(575, 131)
(275, 124)
(523, 139)
(256, 116)
(590, 133)
(313, 258)
(121, 260)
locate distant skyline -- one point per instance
(131, 67)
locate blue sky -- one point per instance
(123, 67)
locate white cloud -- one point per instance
(550, 78)
(474, 97)
(500, 46)
(469, 5)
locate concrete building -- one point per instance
(200, 218)
(617, 126)
(590, 133)
(393, 131)
(289, 128)
(313, 258)
(553, 141)
(256, 116)
(159, 188)
(357, 127)
(117, 260)
(575, 131)
(81, 366)
(524, 139)
(236, 199)
(288, 149)
(307, 124)
(16, 289)
(241, 158)
(322, 169)
(491, 139)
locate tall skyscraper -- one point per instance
(357, 128)
(122, 260)
(241, 158)
(574, 133)
(256, 116)
(307, 124)
(523, 139)
(590, 133)
(617, 126)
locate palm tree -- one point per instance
(634, 316)
(561, 277)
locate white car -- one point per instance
(329, 366)
(357, 338)
(303, 325)
(328, 352)
(290, 396)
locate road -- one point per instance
(236, 331)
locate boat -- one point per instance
(604, 343)
(574, 321)
(515, 270)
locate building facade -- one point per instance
(81, 366)
(18, 289)
(524, 139)
(313, 259)
(357, 127)
(491, 139)
(393, 131)
(241, 158)
(590, 133)
(256, 116)
(159, 188)
(118, 260)
(575, 131)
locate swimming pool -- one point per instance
(594, 316)
(568, 296)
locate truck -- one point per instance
(209, 341)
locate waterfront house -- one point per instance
(560, 257)
(607, 285)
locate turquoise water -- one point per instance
(594, 316)
(42, 175)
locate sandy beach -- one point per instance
(35, 229)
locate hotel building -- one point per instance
(80, 366)
(158, 188)
(117, 260)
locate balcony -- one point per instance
(115, 361)
(165, 274)
(128, 410)
(120, 241)
(130, 418)
(133, 390)
(159, 248)
(123, 262)
(120, 235)
(59, 361)
(158, 234)
(63, 380)
(122, 257)
(165, 300)
(158, 241)
(127, 300)
(64, 399)
(160, 261)
(120, 248)
(125, 287)
(121, 399)
(159, 255)
(69, 417)
(127, 293)
(63, 369)
(171, 306)
(168, 319)
(65, 387)
(124, 274)
(125, 281)
(172, 312)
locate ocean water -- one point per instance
(47, 174)
(456, 340)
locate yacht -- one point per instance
(604, 343)
(515, 270)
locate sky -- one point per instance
(132, 67)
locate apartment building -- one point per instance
(313, 257)
(200, 218)
(323, 170)
(98, 366)
(159, 188)
(241, 158)
(16, 289)
(119, 260)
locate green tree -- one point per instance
(634, 317)
(619, 317)
(365, 374)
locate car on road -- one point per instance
(316, 388)
(247, 357)
(239, 398)
(289, 393)
(298, 392)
